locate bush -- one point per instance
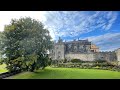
(103, 65)
(65, 60)
(99, 61)
(97, 67)
(76, 61)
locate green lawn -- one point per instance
(2, 68)
(68, 73)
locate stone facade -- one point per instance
(85, 57)
(118, 55)
(94, 48)
(81, 49)
(108, 56)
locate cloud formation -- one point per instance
(106, 42)
(72, 24)
(75, 23)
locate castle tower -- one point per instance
(59, 50)
(118, 55)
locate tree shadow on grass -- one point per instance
(43, 74)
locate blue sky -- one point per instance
(100, 27)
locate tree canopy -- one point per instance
(25, 44)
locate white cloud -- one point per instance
(109, 41)
(74, 23)
(112, 17)
(65, 23)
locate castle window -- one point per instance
(59, 54)
(58, 57)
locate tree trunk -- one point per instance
(43, 68)
(33, 68)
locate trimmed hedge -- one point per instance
(77, 63)
(76, 60)
(103, 66)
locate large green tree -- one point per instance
(26, 44)
(1, 44)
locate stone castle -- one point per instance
(83, 50)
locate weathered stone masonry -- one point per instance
(83, 50)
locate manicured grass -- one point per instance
(68, 73)
(2, 68)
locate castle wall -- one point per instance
(108, 56)
(59, 51)
(84, 57)
(118, 54)
(81, 50)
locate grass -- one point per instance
(68, 73)
(2, 68)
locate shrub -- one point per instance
(97, 67)
(99, 61)
(65, 60)
(103, 66)
(76, 61)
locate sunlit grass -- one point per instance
(68, 73)
(2, 68)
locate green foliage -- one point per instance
(49, 61)
(103, 66)
(25, 44)
(1, 62)
(75, 60)
(3, 68)
(99, 61)
(65, 60)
